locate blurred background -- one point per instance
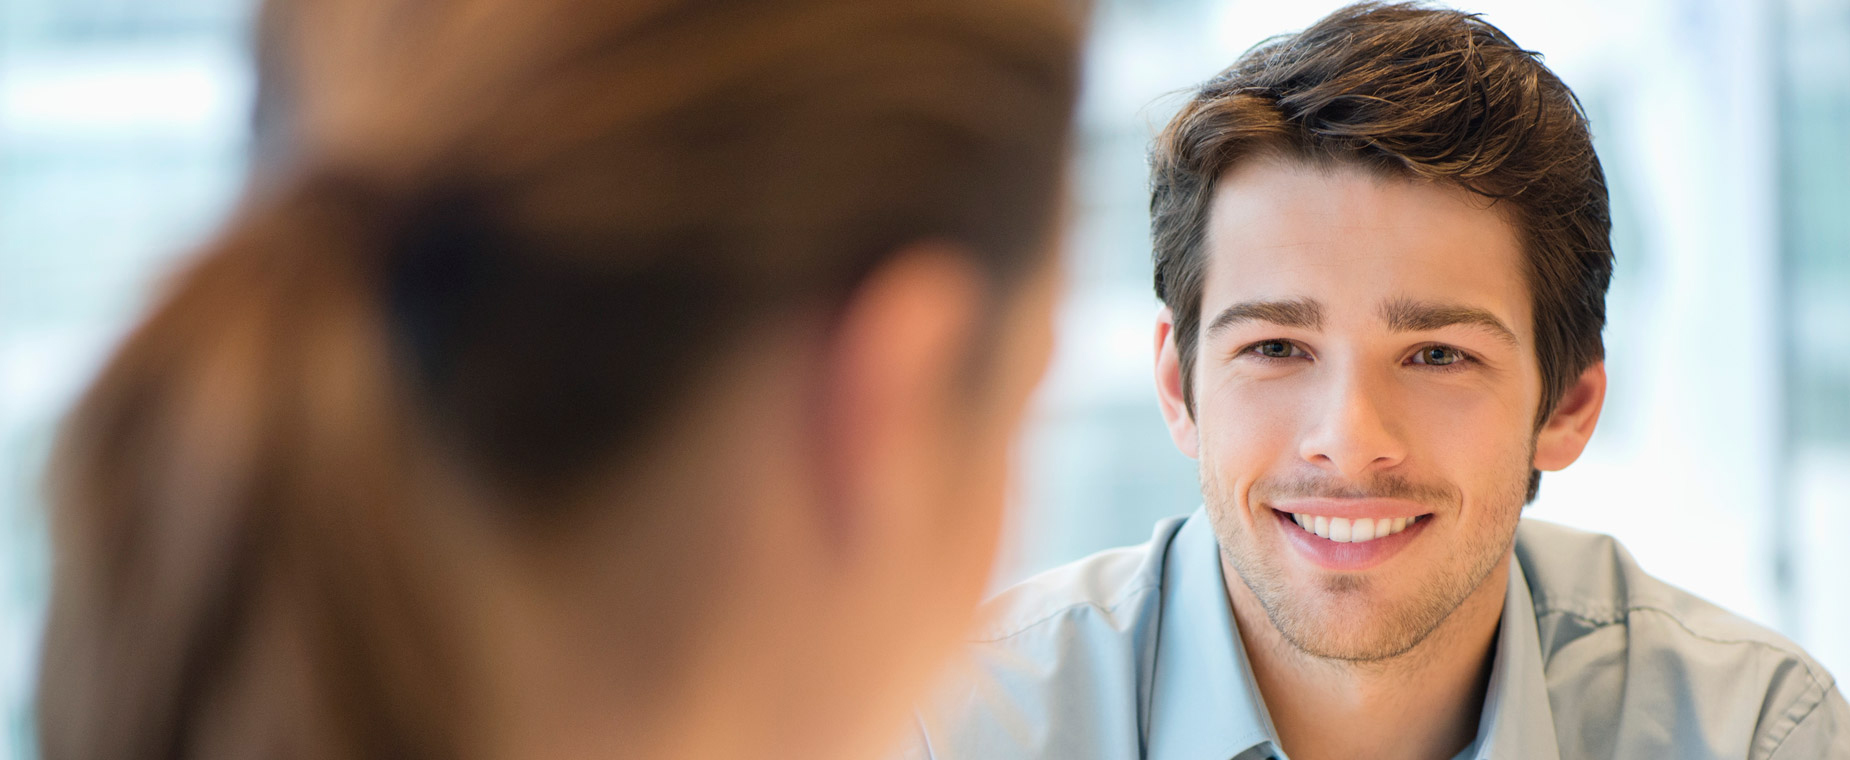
(1722, 460)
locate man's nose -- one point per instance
(1354, 431)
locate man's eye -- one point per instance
(1275, 349)
(1438, 356)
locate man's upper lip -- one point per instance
(1352, 508)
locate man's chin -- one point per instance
(1347, 647)
(1349, 625)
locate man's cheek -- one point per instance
(1246, 421)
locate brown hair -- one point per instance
(1403, 90)
(502, 236)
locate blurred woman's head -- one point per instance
(575, 378)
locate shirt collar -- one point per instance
(1204, 703)
(1517, 721)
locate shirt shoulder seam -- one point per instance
(1811, 668)
(1822, 687)
(1823, 695)
(1109, 609)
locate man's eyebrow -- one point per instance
(1405, 315)
(1302, 313)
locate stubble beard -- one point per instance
(1397, 627)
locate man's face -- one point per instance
(1366, 365)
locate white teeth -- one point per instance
(1345, 530)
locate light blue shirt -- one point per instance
(1133, 653)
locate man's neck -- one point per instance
(1422, 704)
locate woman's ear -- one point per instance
(1564, 435)
(892, 372)
(1181, 419)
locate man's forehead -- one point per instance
(1280, 204)
(1358, 243)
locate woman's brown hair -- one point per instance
(487, 245)
(1409, 91)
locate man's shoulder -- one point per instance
(1617, 641)
(1108, 590)
(1057, 662)
(1582, 581)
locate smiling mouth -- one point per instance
(1344, 530)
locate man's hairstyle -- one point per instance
(1404, 91)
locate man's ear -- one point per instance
(1181, 419)
(1564, 435)
(892, 367)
